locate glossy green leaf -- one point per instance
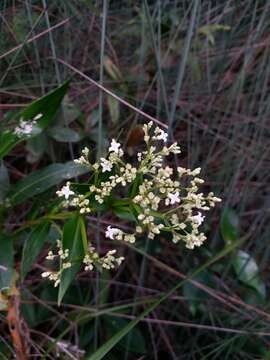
(7, 141)
(108, 345)
(136, 341)
(36, 147)
(33, 246)
(229, 226)
(104, 287)
(124, 213)
(195, 296)
(6, 262)
(4, 182)
(134, 187)
(47, 106)
(247, 271)
(43, 179)
(64, 134)
(73, 241)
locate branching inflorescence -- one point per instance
(158, 197)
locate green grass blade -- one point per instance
(33, 246)
(105, 348)
(6, 261)
(72, 240)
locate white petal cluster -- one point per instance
(83, 159)
(118, 234)
(160, 134)
(90, 260)
(26, 128)
(106, 165)
(62, 256)
(115, 147)
(162, 198)
(108, 261)
(71, 199)
(173, 198)
(80, 202)
(126, 174)
(65, 191)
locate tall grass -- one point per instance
(202, 69)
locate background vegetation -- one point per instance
(202, 68)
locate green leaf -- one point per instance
(114, 110)
(247, 271)
(251, 296)
(229, 226)
(194, 295)
(64, 134)
(6, 262)
(4, 182)
(47, 106)
(105, 348)
(36, 147)
(104, 287)
(136, 341)
(7, 141)
(43, 179)
(73, 241)
(33, 246)
(124, 213)
(134, 187)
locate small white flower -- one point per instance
(174, 198)
(114, 146)
(111, 232)
(162, 135)
(38, 116)
(85, 151)
(65, 191)
(46, 274)
(25, 128)
(198, 219)
(174, 148)
(119, 260)
(106, 165)
(50, 256)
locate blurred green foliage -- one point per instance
(203, 68)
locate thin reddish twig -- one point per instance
(124, 102)
(34, 38)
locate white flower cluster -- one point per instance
(83, 160)
(126, 175)
(92, 259)
(78, 201)
(117, 234)
(26, 128)
(108, 261)
(61, 255)
(159, 197)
